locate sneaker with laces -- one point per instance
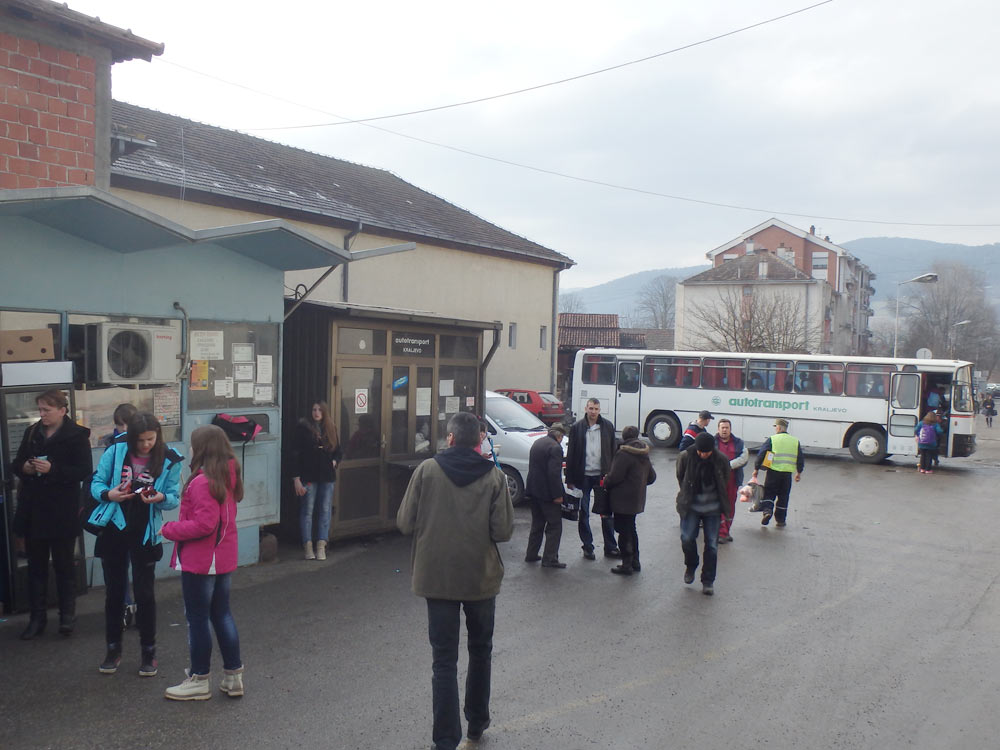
(232, 683)
(196, 687)
(112, 659)
(148, 664)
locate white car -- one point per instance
(513, 430)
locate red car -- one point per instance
(542, 404)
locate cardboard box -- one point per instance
(26, 346)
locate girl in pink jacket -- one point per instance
(206, 552)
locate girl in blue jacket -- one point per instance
(137, 479)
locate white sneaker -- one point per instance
(232, 683)
(320, 550)
(197, 687)
(309, 551)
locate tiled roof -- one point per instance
(580, 338)
(747, 268)
(586, 320)
(204, 158)
(647, 338)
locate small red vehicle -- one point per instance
(542, 404)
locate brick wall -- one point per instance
(47, 115)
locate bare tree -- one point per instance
(880, 344)
(761, 321)
(571, 303)
(952, 317)
(655, 302)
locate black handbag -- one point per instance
(570, 508)
(601, 505)
(87, 507)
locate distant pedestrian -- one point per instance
(694, 429)
(206, 553)
(588, 459)
(317, 451)
(786, 462)
(457, 506)
(989, 409)
(626, 482)
(736, 451)
(703, 475)
(544, 489)
(926, 434)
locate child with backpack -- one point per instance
(927, 441)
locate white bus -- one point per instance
(870, 405)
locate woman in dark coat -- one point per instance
(316, 454)
(631, 472)
(53, 459)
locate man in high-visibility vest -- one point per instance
(786, 462)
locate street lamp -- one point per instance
(953, 334)
(924, 278)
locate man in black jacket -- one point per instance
(588, 459)
(545, 490)
(703, 474)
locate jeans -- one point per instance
(443, 621)
(38, 575)
(206, 598)
(689, 542)
(115, 562)
(319, 495)
(777, 487)
(607, 525)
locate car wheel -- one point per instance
(664, 431)
(514, 484)
(868, 445)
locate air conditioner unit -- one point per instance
(130, 353)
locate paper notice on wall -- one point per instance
(446, 388)
(224, 387)
(423, 403)
(451, 404)
(263, 394)
(244, 390)
(399, 403)
(242, 352)
(360, 400)
(167, 405)
(470, 401)
(264, 374)
(199, 375)
(207, 345)
(243, 372)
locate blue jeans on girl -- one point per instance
(206, 599)
(318, 498)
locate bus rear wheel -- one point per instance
(868, 445)
(664, 431)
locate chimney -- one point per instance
(812, 229)
(749, 250)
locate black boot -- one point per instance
(66, 623)
(36, 626)
(112, 659)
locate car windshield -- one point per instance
(549, 398)
(511, 417)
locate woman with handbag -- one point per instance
(136, 480)
(206, 553)
(316, 453)
(53, 459)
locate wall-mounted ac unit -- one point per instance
(130, 353)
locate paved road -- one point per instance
(871, 621)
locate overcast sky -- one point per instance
(882, 110)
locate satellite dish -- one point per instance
(924, 353)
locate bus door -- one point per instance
(904, 413)
(627, 400)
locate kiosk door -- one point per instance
(360, 485)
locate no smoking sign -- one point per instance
(361, 401)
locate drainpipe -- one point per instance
(553, 360)
(348, 241)
(497, 326)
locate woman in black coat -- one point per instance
(631, 472)
(53, 459)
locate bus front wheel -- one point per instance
(868, 445)
(664, 431)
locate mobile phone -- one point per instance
(40, 458)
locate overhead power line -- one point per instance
(558, 82)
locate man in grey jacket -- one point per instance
(457, 507)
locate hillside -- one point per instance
(619, 295)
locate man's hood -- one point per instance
(462, 466)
